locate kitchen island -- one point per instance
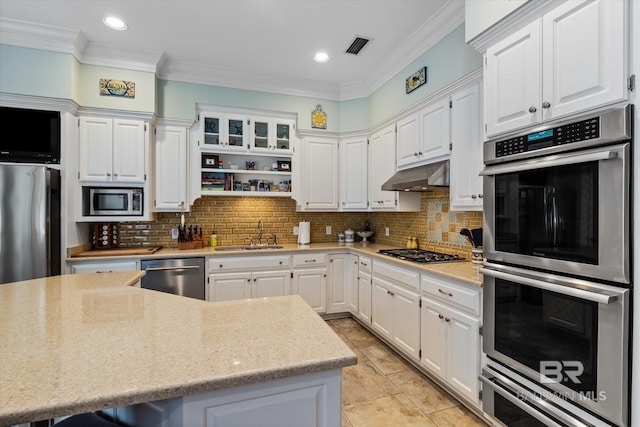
(78, 343)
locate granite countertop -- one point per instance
(78, 343)
(464, 271)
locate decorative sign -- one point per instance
(318, 118)
(416, 80)
(111, 87)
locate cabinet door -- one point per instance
(261, 134)
(583, 48)
(408, 134)
(433, 332)
(284, 135)
(96, 149)
(463, 353)
(235, 130)
(364, 296)
(229, 286)
(466, 151)
(321, 170)
(212, 130)
(311, 284)
(435, 131)
(337, 287)
(513, 81)
(171, 168)
(353, 173)
(129, 151)
(104, 267)
(381, 306)
(351, 283)
(270, 284)
(382, 166)
(406, 321)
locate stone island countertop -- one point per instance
(464, 271)
(77, 343)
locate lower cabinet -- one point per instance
(230, 279)
(450, 335)
(310, 279)
(363, 311)
(342, 286)
(104, 266)
(395, 306)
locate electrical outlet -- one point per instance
(295, 230)
(386, 231)
(328, 229)
(174, 233)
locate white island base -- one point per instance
(311, 400)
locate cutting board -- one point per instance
(147, 250)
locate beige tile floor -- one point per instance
(383, 390)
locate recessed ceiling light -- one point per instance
(321, 57)
(114, 23)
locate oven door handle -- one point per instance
(600, 297)
(566, 159)
(526, 400)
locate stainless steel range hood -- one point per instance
(420, 178)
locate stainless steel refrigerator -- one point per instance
(29, 222)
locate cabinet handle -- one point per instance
(473, 196)
(440, 316)
(220, 265)
(109, 271)
(480, 196)
(280, 262)
(363, 263)
(546, 104)
(446, 293)
(249, 280)
(390, 293)
(532, 109)
(115, 174)
(446, 319)
(420, 153)
(330, 260)
(415, 154)
(309, 260)
(108, 174)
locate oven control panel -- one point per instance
(560, 135)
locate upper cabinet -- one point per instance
(570, 60)
(113, 150)
(171, 168)
(271, 135)
(224, 131)
(466, 150)
(423, 137)
(319, 173)
(353, 173)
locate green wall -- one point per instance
(447, 61)
(58, 75)
(36, 72)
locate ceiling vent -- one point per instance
(357, 45)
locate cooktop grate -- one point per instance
(420, 255)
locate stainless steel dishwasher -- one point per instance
(179, 276)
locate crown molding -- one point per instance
(109, 113)
(38, 103)
(37, 36)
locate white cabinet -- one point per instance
(466, 150)
(320, 173)
(171, 168)
(353, 174)
(104, 266)
(450, 334)
(423, 137)
(382, 166)
(364, 289)
(271, 135)
(395, 306)
(248, 277)
(572, 59)
(112, 150)
(310, 279)
(342, 286)
(226, 131)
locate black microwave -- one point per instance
(39, 144)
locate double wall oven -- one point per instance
(557, 278)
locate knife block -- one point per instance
(196, 243)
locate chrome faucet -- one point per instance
(260, 229)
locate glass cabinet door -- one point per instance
(261, 134)
(236, 131)
(283, 131)
(212, 131)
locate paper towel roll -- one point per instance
(304, 233)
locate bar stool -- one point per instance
(85, 420)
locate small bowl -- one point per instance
(234, 167)
(365, 235)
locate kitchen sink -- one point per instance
(247, 247)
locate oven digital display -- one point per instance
(539, 135)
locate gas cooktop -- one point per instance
(420, 256)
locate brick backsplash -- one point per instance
(235, 219)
